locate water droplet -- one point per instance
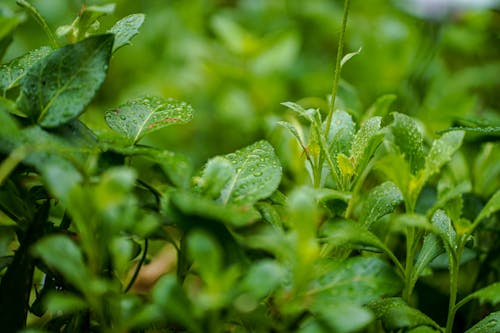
(257, 174)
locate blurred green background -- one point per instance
(236, 61)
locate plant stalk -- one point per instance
(40, 20)
(338, 68)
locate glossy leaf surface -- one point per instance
(58, 88)
(141, 116)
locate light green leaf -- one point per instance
(58, 303)
(408, 138)
(365, 142)
(174, 303)
(396, 169)
(258, 174)
(381, 200)
(206, 254)
(189, 204)
(489, 294)
(125, 29)
(12, 73)
(360, 280)
(380, 108)
(60, 253)
(262, 278)
(396, 314)
(293, 131)
(141, 116)
(58, 88)
(299, 110)
(445, 230)
(489, 324)
(431, 248)
(341, 133)
(7, 27)
(486, 171)
(492, 206)
(348, 57)
(215, 175)
(440, 153)
(341, 317)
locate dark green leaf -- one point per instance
(381, 201)
(58, 88)
(7, 26)
(125, 29)
(431, 248)
(141, 116)
(492, 206)
(489, 324)
(58, 303)
(206, 254)
(61, 254)
(262, 278)
(12, 73)
(396, 314)
(360, 280)
(258, 174)
(341, 317)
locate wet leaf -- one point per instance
(489, 324)
(381, 201)
(445, 230)
(58, 88)
(341, 133)
(396, 314)
(365, 142)
(141, 116)
(125, 29)
(432, 247)
(258, 174)
(12, 73)
(408, 138)
(441, 152)
(360, 280)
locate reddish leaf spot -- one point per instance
(168, 120)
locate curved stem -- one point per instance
(40, 20)
(139, 265)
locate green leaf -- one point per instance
(408, 138)
(299, 110)
(396, 314)
(215, 175)
(348, 57)
(440, 153)
(262, 278)
(380, 108)
(125, 29)
(381, 200)
(360, 280)
(341, 133)
(61, 254)
(12, 73)
(489, 294)
(486, 171)
(141, 116)
(396, 169)
(432, 247)
(445, 229)
(58, 88)
(492, 206)
(341, 317)
(294, 132)
(58, 303)
(206, 254)
(171, 298)
(365, 142)
(258, 174)
(353, 235)
(189, 204)
(7, 26)
(489, 324)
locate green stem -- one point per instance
(410, 240)
(40, 20)
(336, 78)
(454, 268)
